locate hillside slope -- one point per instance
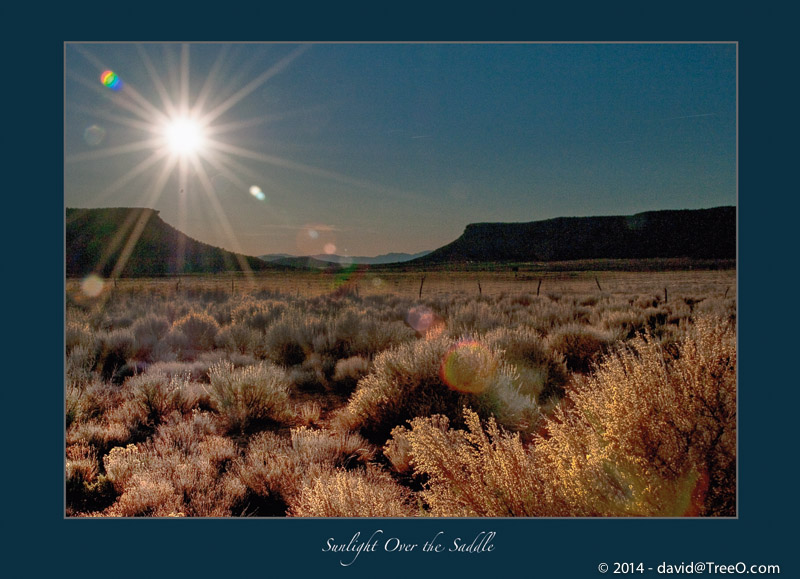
(696, 234)
(136, 242)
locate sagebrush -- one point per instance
(468, 400)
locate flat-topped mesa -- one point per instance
(688, 233)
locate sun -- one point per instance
(181, 135)
(184, 136)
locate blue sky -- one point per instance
(362, 149)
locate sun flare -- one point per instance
(179, 135)
(184, 136)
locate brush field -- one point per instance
(384, 393)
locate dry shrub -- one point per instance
(183, 470)
(88, 400)
(78, 333)
(86, 489)
(398, 450)
(470, 472)
(269, 474)
(275, 469)
(148, 331)
(625, 322)
(649, 434)
(644, 302)
(148, 495)
(195, 370)
(287, 341)
(73, 403)
(81, 464)
(79, 366)
(101, 413)
(580, 345)
(159, 395)
(348, 371)
(359, 332)
(542, 372)
(351, 368)
(721, 307)
(257, 314)
(102, 434)
(546, 313)
(473, 316)
(309, 413)
(358, 493)
(412, 380)
(176, 346)
(250, 396)
(116, 347)
(240, 338)
(311, 374)
(338, 449)
(199, 329)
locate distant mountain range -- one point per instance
(323, 260)
(136, 242)
(690, 233)
(132, 242)
(303, 262)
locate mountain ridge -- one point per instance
(136, 242)
(691, 233)
(345, 260)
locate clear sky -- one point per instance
(363, 149)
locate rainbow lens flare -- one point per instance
(469, 367)
(110, 79)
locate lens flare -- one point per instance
(94, 135)
(469, 367)
(420, 318)
(110, 80)
(346, 280)
(256, 192)
(92, 285)
(314, 238)
(425, 321)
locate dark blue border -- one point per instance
(33, 472)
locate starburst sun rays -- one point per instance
(183, 135)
